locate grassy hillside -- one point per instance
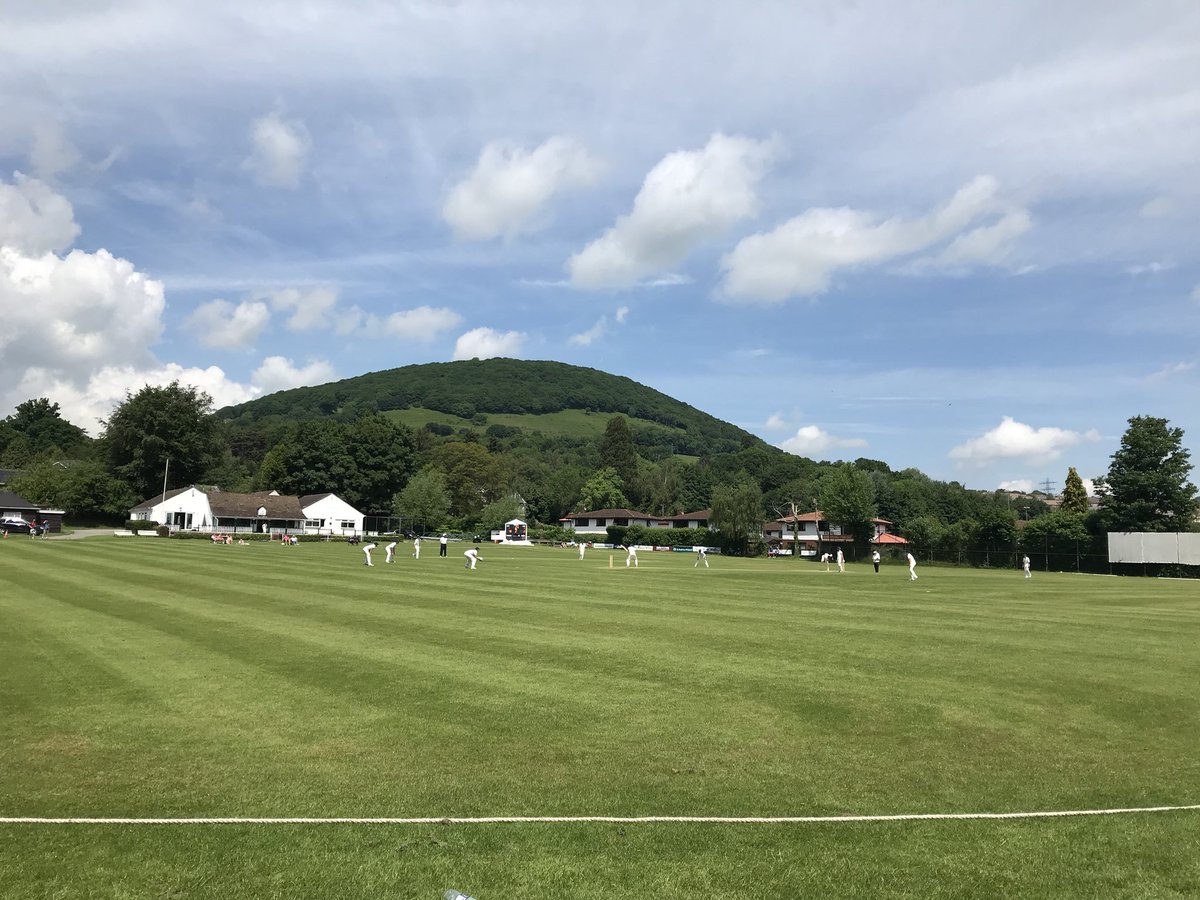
(551, 397)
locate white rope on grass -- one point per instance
(572, 820)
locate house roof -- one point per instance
(246, 506)
(309, 499)
(699, 515)
(611, 514)
(9, 500)
(159, 498)
(887, 538)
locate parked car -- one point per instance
(14, 525)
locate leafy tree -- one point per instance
(157, 424)
(1074, 496)
(1057, 532)
(997, 531)
(924, 532)
(384, 455)
(315, 460)
(35, 427)
(496, 513)
(602, 491)
(82, 490)
(848, 499)
(666, 489)
(424, 501)
(1147, 487)
(474, 477)
(616, 450)
(737, 514)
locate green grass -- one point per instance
(156, 678)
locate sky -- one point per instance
(958, 237)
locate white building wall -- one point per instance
(339, 516)
(188, 510)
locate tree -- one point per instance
(384, 457)
(1074, 496)
(474, 477)
(848, 499)
(616, 450)
(424, 502)
(35, 427)
(314, 460)
(160, 423)
(496, 513)
(737, 514)
(1147, 487)
(602, 491)
(82, 490)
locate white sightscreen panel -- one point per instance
(1189, 549)
(1124, 547)
(1160, 548)
(1146, 547)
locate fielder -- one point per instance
(912, 567)
(841, 561)
(701, 556)
(416, 548)
(390, 550)
(367, 548)
(473, 557)
(1025, 566)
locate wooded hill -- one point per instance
(501, 396)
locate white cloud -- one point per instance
(485, 343)
(599, 330)
(811, 440)
(1019, 485)
(593, 334)
(802, 255)
(279, 374)
(1015, 440)
(88, 401)
(35, 219)
(690, 196)
(424, 323)
(776, 421)
(1151, 268)
(311, 310)
(223, 325)
(511, 185)
(1196, 293)
(279, 151)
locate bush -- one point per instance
(136, 525)
(164, 531)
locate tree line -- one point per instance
(439, 478)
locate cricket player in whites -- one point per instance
(631, 556)
(473, 557)
(701, 556)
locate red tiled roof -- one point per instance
(886, 538)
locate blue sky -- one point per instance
(960, 237)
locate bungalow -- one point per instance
(812, 530)
(194, 509)
(596, 521)
(698, 519)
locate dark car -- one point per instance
(15, 526)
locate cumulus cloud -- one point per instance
(485, 343)
(227, 326)
(511, 185)
(89, 400)
(278, 373)
(279, 151)
(622, 314)
(424, 323)
(34, 218)
(802, 255)
(1015, 440)
(776, 421)
(311, 310)
(688, 197)
(811, 440)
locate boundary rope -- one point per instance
(571, 820)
